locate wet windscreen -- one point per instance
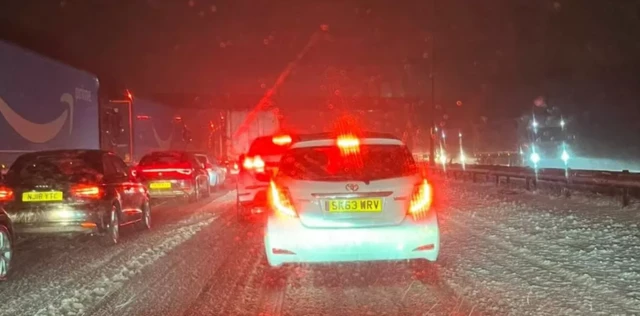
(163, 158)
(64, 167)
(329, 163)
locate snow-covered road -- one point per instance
(504, 251)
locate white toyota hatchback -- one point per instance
(349, 199)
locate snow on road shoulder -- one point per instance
(535, 257)
(76, 300)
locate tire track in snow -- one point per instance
(169, 286)
(77, 300)
(79, 272)
(223, 292)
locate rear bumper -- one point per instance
(179, 188)
(250, 191)
(288, 241)
(62, 219)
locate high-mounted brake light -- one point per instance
(6, 194)
(87, 191)
(421, 199)
(281, 140)
(253, 163)
(280, 200)
(348, 141)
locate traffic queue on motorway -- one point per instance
(326, 198)
(94, 192)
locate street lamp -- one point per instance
(432, 161)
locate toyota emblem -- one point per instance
(352, 187)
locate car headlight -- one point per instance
(565, 156)
(535, 158)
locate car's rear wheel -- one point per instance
(111, 234)
(6, 252)
(207, 190)
(145, 221)
(195, 197)
(241, 213)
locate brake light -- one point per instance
(253, 163)
(348, 142)
(6, 194)
(87, 191)
(280, 200)
(421, 199)
(184, 171)
(281, 140)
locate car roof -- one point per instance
(328, 139)
(64, 151)
(161, 152)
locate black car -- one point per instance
(173, 174)
(6, 239)
(74, 192)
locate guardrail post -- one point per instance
(508, 179)
(473, 177)
(497, 179)
(527, 182)
(626, 198)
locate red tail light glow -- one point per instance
(280, 201)
(6, 194)
(421, 199)
(255, 163)
(83, 191)
(184, 171)
(281, 140)
(348, 142)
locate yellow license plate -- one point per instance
(52, 196)
(160, 185)
(356, 205)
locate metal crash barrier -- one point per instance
(624, 183)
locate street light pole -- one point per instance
(432, 108)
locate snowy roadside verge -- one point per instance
(534, 260)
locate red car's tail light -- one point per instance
(280, 200)
(6, 194)
(83, 191)
(421, 199)
(253, 163)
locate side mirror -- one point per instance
(241, 158)
(208, 165)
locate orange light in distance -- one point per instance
(281, 140)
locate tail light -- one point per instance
(253, 163)
(184, 171)
(280, 200)
(6, 194)
(281, 140)
(91, 192)
(421, 200)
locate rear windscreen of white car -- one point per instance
(328, 163)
